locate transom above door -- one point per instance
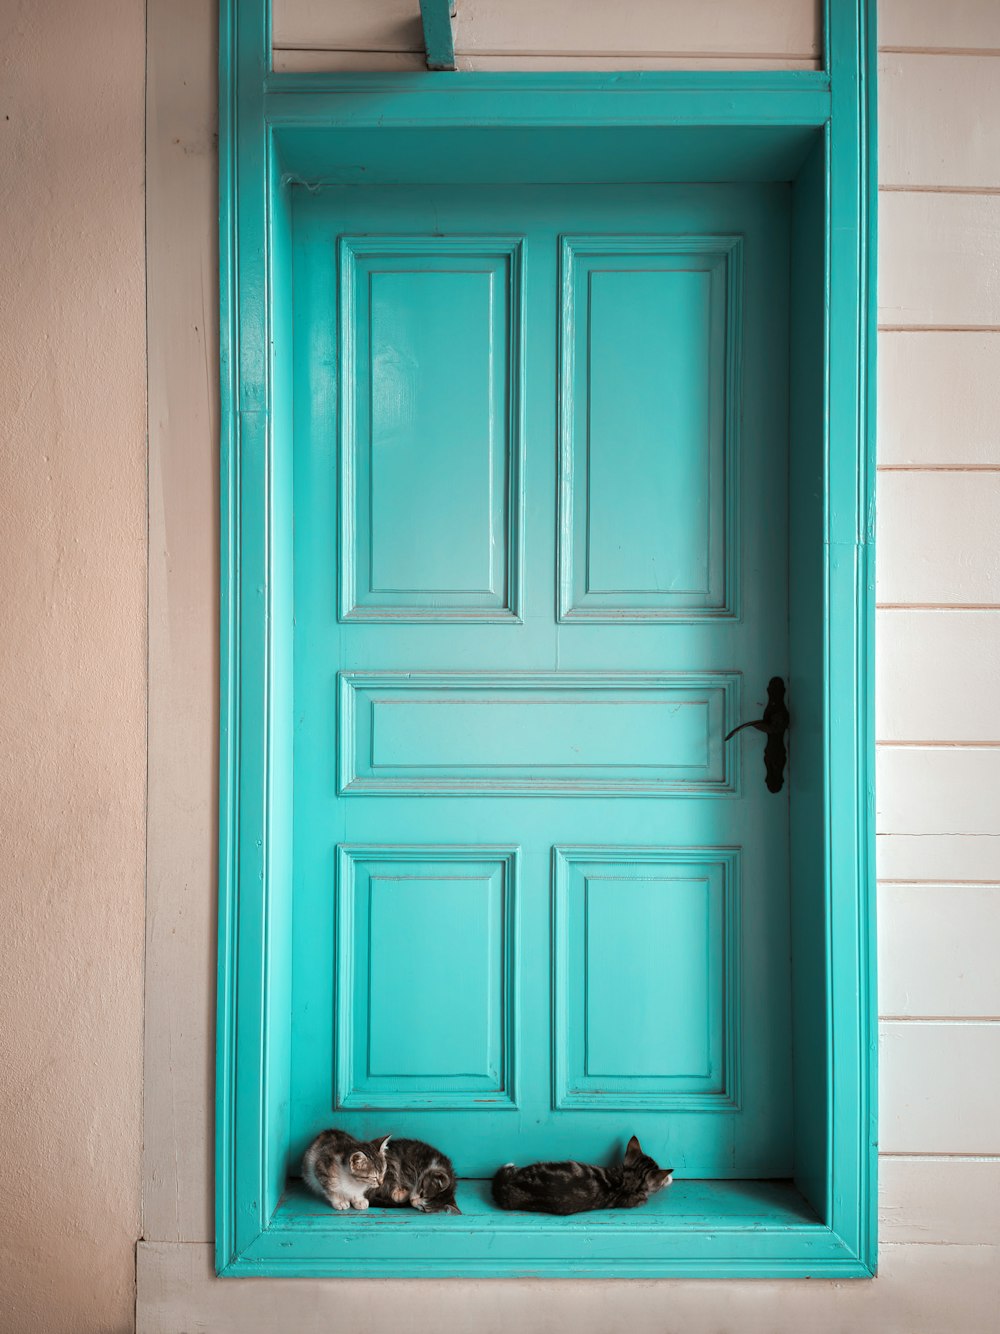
(541, 570)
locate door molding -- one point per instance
(816, 129)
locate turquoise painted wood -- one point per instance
(428, 379)
(348, 814)
(584, 705)
(439, 35)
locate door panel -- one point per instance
(430, 352)
(426, 977)
(540, 570)
(650, 338)
(550, 732)
(667, 921)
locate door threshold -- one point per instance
(693, 1229)
(685, 1204)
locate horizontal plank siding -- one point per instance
(939, 260)
(951, 1200)
(938, 666)
(937, 539)
(346, 62)
(936, 676)
(939, 128)
(647, 27)
(314, 62)
(930, 25)
(933, 858)
(350, 25)
(953, 931)
(574, 33)
(938, 790)
(937, 1088)
(939, 398)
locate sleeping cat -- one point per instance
(343, 1169)
(572, 1188)
(418, 1175)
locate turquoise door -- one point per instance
(540, 456)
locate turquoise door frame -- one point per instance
(815, 130)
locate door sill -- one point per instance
(693, 1229)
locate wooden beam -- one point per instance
(439, 33)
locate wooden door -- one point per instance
(540, 455)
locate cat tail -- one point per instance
(501, 1183)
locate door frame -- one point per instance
(279, 129)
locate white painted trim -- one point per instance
(920, 1290)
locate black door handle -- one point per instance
(774, 725)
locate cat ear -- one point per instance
(633, 1151)
(359, 1162)
(379, 1144)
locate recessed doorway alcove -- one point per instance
(546, 446)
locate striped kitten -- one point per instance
(417, 1175)
(343, 1169)
(573, 1188)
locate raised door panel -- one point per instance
(430, 368)
(649, 369)
(647, 949)
(564, 733)
(425, 977)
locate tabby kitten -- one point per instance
(418, 1175)
(343, 1169)
(572, 1188)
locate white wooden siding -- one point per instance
(944, 671)
(949, 1201)
(920, 147)
(934, 530)
(311, 62)
(962, 859)
(938, 398)
(938, 645)
(938, 260)
(938, 845)
(553, 34)
(954, 931)
(937, 1088)
(938, 790)
(939, 25)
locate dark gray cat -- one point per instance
(343, 1169)
(572, 1188)
(417, 1175)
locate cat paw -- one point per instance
(400, 1194)
(360, 1204)
(338, 1202)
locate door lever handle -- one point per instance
(774, 725)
